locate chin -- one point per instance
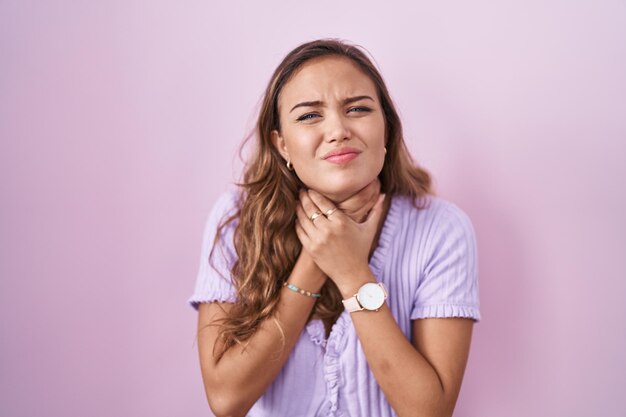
(338, 186)
(341, 192)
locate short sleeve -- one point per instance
(448, 286)
(214, 282)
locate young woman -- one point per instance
(333, 282)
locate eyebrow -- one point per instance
(319, 103)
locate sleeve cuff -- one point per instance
(196, 300)
(445, 310)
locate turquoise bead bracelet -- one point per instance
(301, 291)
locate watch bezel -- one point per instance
(379, 291)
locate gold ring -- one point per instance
(330, 211)
(315, 216)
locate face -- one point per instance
(332, 127)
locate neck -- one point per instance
(381, 223)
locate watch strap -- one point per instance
(352, 304)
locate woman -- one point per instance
(318, 295)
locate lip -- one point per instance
(341, 155)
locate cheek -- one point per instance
(301, 143)
(381, 128)
(373, 133)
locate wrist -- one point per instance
(350, 286)
(370, 297)
(307, 273)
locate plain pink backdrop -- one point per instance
(119, 125)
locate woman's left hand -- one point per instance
(338, 245)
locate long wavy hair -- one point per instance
(265, 240)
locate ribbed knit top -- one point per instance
(426, 259)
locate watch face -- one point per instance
(371, 296)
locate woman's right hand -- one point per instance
(357, 207)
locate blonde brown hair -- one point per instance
(265, 240)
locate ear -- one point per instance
(279, 143)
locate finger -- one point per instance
(305, 221)
(311, 208)
(307, 204)
(326, 206)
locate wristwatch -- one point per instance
(371, 296)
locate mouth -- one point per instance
(341, 156)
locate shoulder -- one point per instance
(227, 203)
(429, 225)
(213, 281)
(225, 207)
(428, 211)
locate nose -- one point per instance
(338, 129)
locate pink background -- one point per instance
(119, 125)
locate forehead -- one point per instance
(325, 79)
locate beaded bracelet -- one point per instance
(301, 291)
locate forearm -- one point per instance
(410, 384)
(239, 378)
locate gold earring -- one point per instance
(289, 166)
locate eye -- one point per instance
(359, 109)
(307, 116)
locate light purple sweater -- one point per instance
(428, 262)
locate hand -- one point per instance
(359, 205)
(338, 245)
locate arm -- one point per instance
(419, 378)
(235, 382)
